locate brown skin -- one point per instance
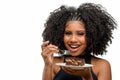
(75, 41)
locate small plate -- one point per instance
(74, 67)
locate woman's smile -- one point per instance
(73, 47)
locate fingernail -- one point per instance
(47, 41)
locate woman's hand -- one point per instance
(85, 73)
(47, 52)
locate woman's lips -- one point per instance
(73, 48)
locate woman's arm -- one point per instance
(104, 70)
(48, 72)
(47, 54)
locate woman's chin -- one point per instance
(74, 54)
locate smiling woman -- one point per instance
(85, 32)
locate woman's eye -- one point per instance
(67, 33)
(80, 33)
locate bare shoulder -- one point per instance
(101, 68)
(100, 61)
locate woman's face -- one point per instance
(75, 37)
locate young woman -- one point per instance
(85, 32)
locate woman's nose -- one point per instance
(73, 38)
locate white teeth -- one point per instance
(73, 46)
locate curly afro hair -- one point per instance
(99, 25)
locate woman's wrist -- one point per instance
(48, 65)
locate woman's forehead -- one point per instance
(75, 24)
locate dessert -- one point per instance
(75, 61)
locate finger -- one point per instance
(49, 50)
(44, 44)
(68, 70)
(50, 46)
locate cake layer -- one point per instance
(75, 61)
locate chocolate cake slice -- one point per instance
(75, 61)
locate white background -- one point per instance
(21, 25)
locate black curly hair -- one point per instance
(99, 25)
